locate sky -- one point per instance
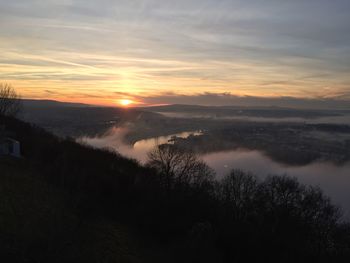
(162, 51)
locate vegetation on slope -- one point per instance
(65, 202)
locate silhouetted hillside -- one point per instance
(59, 202)
(66, 202)
(27, 103)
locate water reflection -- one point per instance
(334, 180)
(149, 144)
(114, 140)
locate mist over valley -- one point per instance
(311, 145)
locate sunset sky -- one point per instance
(159, 51)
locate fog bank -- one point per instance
(334, 180)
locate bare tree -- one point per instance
(177, 166)
(237, 191)
(10, 102)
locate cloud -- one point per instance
(261, 48)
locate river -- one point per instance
(333, 179)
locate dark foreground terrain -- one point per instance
(65, 202)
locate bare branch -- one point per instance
(10, 102)
(177, 166)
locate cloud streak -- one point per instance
(270, 48)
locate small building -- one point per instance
(10, 147)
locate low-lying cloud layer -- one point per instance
(334, 180)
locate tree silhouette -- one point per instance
(237, 192)
(10, 103)
(177, 166)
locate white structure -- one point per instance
(10, 147)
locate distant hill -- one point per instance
(239, 111)
(27, 103)
(74, 119)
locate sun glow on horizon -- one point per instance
(140, 60)
(125, 102)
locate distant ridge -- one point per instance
(188, 107)
(52, 103)
(185, 110)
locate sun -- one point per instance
(125, 102)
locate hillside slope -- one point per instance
(39, 224)
(56, 203)
(66, 202)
